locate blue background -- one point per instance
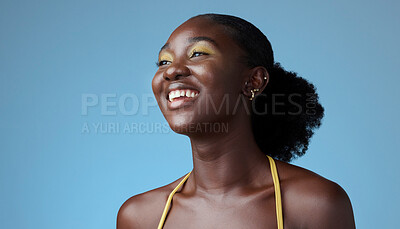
(54, 175)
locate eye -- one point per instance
(196, 54)
(161, 63)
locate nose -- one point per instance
(176, 71)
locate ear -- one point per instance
(258, 78)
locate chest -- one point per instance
(257, 213)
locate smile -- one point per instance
(181, 97)
(181, 93)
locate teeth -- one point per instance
(181, 93)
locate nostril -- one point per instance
(178, 76)
(166, 77)
(175, 71)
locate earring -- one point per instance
(252, 93)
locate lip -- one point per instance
(183, 101)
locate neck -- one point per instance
(226, 162)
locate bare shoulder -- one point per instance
(144, 210)
(312, 201)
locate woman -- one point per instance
(217, 83)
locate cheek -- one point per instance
(219, 77)
(209, 73)
(156, 84)
(221, 87)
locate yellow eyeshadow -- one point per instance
(201, 48)
(166, 57)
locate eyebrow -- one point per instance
(193, 40)
(197, 39)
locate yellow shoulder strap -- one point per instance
(278, 200)
(168, 204)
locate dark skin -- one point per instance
(231, 184)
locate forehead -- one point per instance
(200, 29)
(198, 26)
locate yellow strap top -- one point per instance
(278, 199)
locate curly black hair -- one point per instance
(287, 111)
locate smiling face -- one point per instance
(200, 76)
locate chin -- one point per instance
(189, 126)
(181, 124)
